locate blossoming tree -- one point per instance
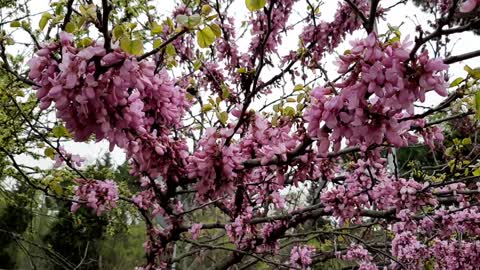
(213, 127)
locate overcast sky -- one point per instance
(409, 15)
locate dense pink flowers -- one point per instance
(300, 256)
(367, 108)
(469, 5)
(360, 254)
(408, 250)
(456, 255)
(99, 195)
(267, 173)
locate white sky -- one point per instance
(409, 15)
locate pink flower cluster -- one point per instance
(358, 253)
(240, 231)
(367, 108)
(301, 256)
(113, 96)
(408, 250)
(456, 255)
(104, 93)
(75, 160)
(469, 6)
(99, 195)
(214, 165)
(328, 36)
(270, 29)
(195, 230)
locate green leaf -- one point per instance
(476, 172)
(205, 37)
(60, 131)
(213, 17)
(56, 187)
(157, 43)
(49, 152)
(118, 31)
(156, 28)
(225, 93)
(207, 107)
(242, 70)
(137, 47)
(44, 20)
(216, 29)
(170, 49)
(197, 65)
(9, 41)
(194, 21)
(223, 117)
(475, 73)
(182, 19)
(254, 5)
(456, 82)
(15, 24)
(70, 27)
(85, 42)
(298, 87)
(467, 141)
(206, 9)
(289, 111)
(134, 47)
(300, 97)
(300, 107)
(59, 9)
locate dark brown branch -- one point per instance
(163, 45)
(461, 57)
(68, 15)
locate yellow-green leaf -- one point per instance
(182, 19)
(56, 187)
(118, 31)
(70, 27)
(223, 117)
(456, 82)
(207, 107)
(49, 152)
(298, 87)
(15, 24)
(44, 20)
(170, 49)
(156, 28)
(157, 43)
(254, 5)
(474, 72)
(134, 47)
(212, 17)
(242, 70)
(476, 172)
(225, 93)
(60, 131)
(205, 37)
(289, 111)
(216, 29)
(85, 42)
(206, 9)
(137, 47)
(194, 20)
